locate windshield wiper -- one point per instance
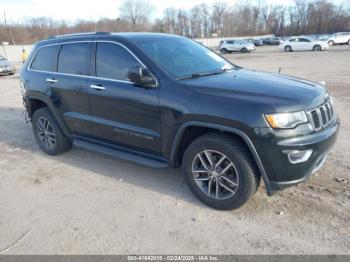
(197, 75)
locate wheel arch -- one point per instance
(34, 101)
(288, 46)
(244, 49)
(176, 144)
(316, 45)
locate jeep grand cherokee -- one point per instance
(166, 101)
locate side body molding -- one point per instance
(232, 130)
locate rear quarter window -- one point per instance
(45, 59)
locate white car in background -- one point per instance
(303, 44)
(339, 38)
(235, 45)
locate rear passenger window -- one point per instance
(46, 59)
(74, 59)
(113, 61)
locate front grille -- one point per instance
(322, 116)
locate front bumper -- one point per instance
(281, 173)
(7, 70)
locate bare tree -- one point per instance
(170, 20)
(204, 14)
(241, 19)
(137, 12)
(196, 22)
(219, 10)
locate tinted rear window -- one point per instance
(74, 59)
(113, 61)
(46, 59)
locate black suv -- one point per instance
(167, 101)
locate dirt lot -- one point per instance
(84, 203)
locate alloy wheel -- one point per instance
(215, 174)
(45, 132)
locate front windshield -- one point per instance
(181, 57)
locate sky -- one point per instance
(72, 10)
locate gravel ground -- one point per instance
(85, 203)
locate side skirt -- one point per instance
(123, 153)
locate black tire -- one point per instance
(244, 50)
(316, 48)
(248, 177)
(287, 48)
(223, 51)
(53, 141)
(331, 42)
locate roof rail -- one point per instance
(79, 34)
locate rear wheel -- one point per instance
(288, 48)
(317, 48)
(47, 133)
(220, 171)
(244, 50)
(331, 42)
(223, 51)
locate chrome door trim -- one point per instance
(89, 76)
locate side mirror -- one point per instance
(141, 76)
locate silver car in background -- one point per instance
(235, 45)
(6, 68)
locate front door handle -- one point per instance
(51, 80)
(97, 87)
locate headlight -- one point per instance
(286, 120)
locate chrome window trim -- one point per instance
(89, 76)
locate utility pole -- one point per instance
(9, 30)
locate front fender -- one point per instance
(235, 131)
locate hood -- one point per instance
(281, 92)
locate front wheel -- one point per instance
(48, 134)
(220, 171)
(223, 51)
(287, 49)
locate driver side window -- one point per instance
(113, 61)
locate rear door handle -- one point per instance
(51, 80)
(97, 87)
